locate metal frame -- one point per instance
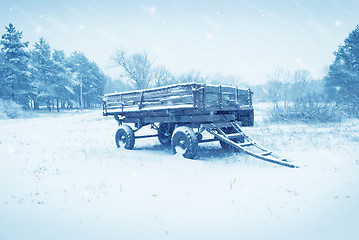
(249, 146)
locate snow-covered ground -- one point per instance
(62, 177)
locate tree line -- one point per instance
(42, 76)
(337, 92)
(140, 72)
(332, 98)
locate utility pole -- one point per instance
(81, 99)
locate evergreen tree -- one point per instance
(62, 84)
(97, 87)
(43, 74)
(342, 81)
(3, 91)
(15, 81)
(87, 79)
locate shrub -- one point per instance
(10, 109)
(311, 108)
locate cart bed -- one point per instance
(182, 103)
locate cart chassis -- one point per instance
(235, 138)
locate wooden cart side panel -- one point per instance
(223, 96)
(194, 95)
(172, 96)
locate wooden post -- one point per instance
(236, 96)
(141, 100)
(204, 96)
(122, 103)
(250, 97)
(194, 93)
(220, 96)
(104, 108)
(81, 98)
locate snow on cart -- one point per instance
(182, 112)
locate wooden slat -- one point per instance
(164, 89)
(234, 135)
(245, 144)
(181, 119)
(164, 95)
(215, 89)
(266, 153)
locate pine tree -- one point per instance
(342, 81)
(62, 84)
(15, 82)
(43, 74)
(88, 80)
(97, 85)
(3, 90)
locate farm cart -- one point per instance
(181, 113)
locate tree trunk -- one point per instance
(13, 91)
(36, 105)
(57, 105)
(63, 104)
(48, 105)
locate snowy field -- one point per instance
(62, 177)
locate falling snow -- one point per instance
(61, 176)
(247, 35)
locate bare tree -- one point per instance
(278, 86)
(300, 84)
(161, 76)
(221, 79)
(137, 67)
(191, 76)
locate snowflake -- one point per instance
(338, 23)
(152, 9)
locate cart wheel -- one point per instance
(226, 146)
(184, 141)
(125, 137)
(165, 131)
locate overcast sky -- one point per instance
(244, 38)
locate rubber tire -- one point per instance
(226, 146)
(187, 138)
(126, 134)
(165, 131)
